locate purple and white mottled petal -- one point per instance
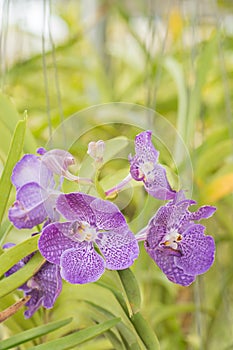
(203, 212)
(197, 251)
(53, 242)
(163, 217)
(107, 215)
(156, 184)
(172, 216)
(76, 206)
(155, 234)
(28, 209)
(144, 153)
(144, 146)
(49, 281)
(119, 249)
(34, 302)
(30, 169)
(82, 264)
(167, 264)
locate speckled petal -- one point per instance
(82, 264)
(28, 209)
(34, 302)
(30, 169)
(53, 242)
(172, 216)
(203, 212)
(108, 216)
(197, 251)
(155, 234)
(49, 281)
(144, 152)
(167, 264)
(144, 146)
(157, 184)
(76, 206)
(119, 249)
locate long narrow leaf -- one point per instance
(15, 280)
(131, 288)
(9, 117)
(11, 256)
(71, 340)
(145, 332)
(30, 334)
(128, 336)
(13, 156)
(118, 295)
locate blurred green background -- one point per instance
(175, 58)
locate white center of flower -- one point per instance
(146, 169)
(82, 231)
(172, 239)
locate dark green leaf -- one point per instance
(131, 288)
(145, 332)
(30, 334)
(72, 340)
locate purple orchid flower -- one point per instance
(36, 196)
(144, 167)
(177, 244)
(95, 237)
(43, 288)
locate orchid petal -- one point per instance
(119, 249)
(53, 243)
(197, 251)
(82, 264)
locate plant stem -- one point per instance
(114, 190)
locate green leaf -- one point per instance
(30, 334)
(131, 288)
(4, 230)
(18, 278)
(118, 295)
(145, 332)
(9, 118)
(12, 255)
(129, 338)
(71, 340)
(8, 113)
(13, 156)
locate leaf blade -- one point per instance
(78, 337)
(31, 334)
(15, 151)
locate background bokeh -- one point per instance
(103, 69)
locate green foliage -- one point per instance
(171, 59)
(13, 157)
(72, 340)
(30, 334)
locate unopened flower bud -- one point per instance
(96, 150)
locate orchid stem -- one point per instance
(141, 235)
(118, 187)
